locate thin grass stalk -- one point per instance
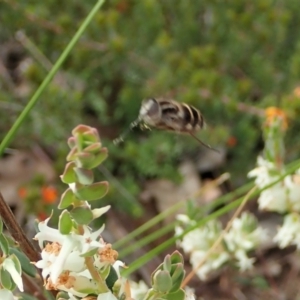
(13, 130)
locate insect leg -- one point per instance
(203, 144)
(120, 139)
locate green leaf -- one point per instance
(179, 295)
(72, 142)
(111, 278)
(72, 154)
(86, 133)
(4, 244)
(91, 136)
(84, 176)
(17, 263)
(82, 215)
(67, 199)
(6, 280)
(93, 148)
(62, 295)
(176, 257)
(1, 226)
(27, 267)
(89, 160)
(69, 175)
(65, 223)
(167, 263)
(177, 272)
(28, 297)
(91, 192)
(162, 281)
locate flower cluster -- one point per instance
(284, 195)
(75, 260)
(243, 236)
(280, 197)
(63, 263)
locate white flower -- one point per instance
(201, 238)
(263, 172)
(138, 290)
(280, 197)
(9, 264)
(75, 284)
(189, 293)
(98, 212)
(274, 199)
(213, 262)
(244, 262)
(106, 296)
(244, 235)
(64, 251)
(198, 242)
(289, 233)
(293, 186)
(7, 295)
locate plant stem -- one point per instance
(11, 133)
(219, 239)
(154, 252)
(19, 236)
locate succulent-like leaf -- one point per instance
(91, 192)
(176, 271)
(84, 176)
(6, 280)
(162, 281)
(4, 244)
(93, 148)
(27, 266)
(69, 175)
(62, 295)
(111, 278)
(71, 142)
(67, 199)
(65, 223)
(91, 135)
(179, 295)
(176, 257)
(72, 154)
(89, 160)
(80, 129)
(167, 263)
(82, 215)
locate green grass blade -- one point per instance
(11, 133)
(147, 239)
(147, 225)
(156, 251)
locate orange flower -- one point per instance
(232, 141)
(42, 216)
(49, 194)
(22, 192)
(296, 92)
(272, 113)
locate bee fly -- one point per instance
(169, 115)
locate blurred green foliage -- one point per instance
(230, 59)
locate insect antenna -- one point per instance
(132, 125)
(203, 144)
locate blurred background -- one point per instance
(229, 59)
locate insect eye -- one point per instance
(150, 107)
(153, 109)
